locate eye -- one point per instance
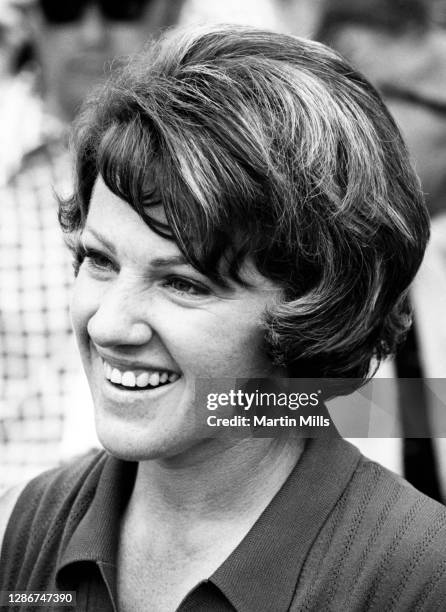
(98, 260)
(184, 286)
(94, 259)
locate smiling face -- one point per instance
(149, 325)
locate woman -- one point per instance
(244, 209)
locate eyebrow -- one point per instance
(164, 262)
(157, 262)
(99, 237)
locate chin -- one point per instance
(131, 442)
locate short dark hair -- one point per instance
(393, 16)
(272, 148)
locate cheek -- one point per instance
(209, 344)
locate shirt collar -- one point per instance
(262, 572)
(96, 536)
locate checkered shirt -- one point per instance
(41, 382)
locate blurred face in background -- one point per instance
(77, 40)
(410, 71)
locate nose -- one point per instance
(93, 28)
(120, 320)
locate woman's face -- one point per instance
(149, 325)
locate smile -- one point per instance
(145, 379)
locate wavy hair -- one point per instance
(271, 148)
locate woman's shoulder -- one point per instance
(46, 494)
(393, 505)
(401, 534)
(382, 547)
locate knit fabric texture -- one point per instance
(381, 549)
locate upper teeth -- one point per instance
(132, 379)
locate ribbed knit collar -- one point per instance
(263, 571)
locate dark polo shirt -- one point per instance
(341, 534)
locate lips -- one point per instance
(138, 378)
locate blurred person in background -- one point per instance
(397, 45)
(18, 105)
(78, 41)
(42, 389)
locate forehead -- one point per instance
(117, 222)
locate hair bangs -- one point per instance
(142, 171)
(123, 157)
(205, 222)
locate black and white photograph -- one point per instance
(223, 305)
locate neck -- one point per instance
(222, 481)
